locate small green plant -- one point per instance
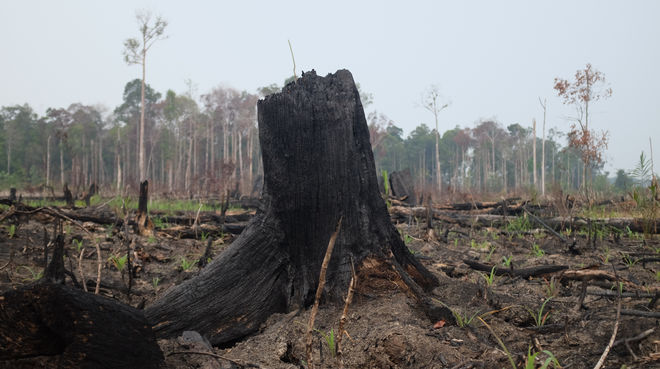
(152, 239)
(519, 224)
(187, 264)
(154, 282)
(606, 255)
(551, 288)
(407, 239)
(78, 244)
(537, 251)
(119, 262)
(568, 232)
(490, 254)
(455, 242)
(158, 222)
(490, 278)
(35, 275)
(12, 231)
(329, 340)
(204, 236)
(462, 320)
(539, 317)
(629, 260)
(506, 261)
(109, 230)
(657, 276)
(530, 361)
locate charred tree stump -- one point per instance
(93, 188)
(56, 326)
(402, 187)
(144, 225)
(318, 167)
(68, 197)
(12, 195)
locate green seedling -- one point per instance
(629, 260)
(119, 262)
(606, 255)
(78, 244)
(187, 264)
(407, 239)
(455, 242)
(12, 231)
(537, 251)
(530, 361)
(35, 275)
(462, 320)
(490, 254)
(155, 281)
(551, 288)
(152, 239)
(506, 261)
(329, 340)
(490, 278)
(204, 236)
(539, 317)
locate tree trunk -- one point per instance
(48, 161)
(534, 152)
(318, 167)
(145, 226)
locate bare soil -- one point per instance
(385, 327)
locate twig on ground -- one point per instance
(80, 268)
(319, 292)
(645, 314)
(610, 344)
(344, 315)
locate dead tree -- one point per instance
(68, 197)
(144, 225)
(318, 166)
(401, 184)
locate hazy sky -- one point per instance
(491, 59)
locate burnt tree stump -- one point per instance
(144, 224)
(68, 196)
(318, 166)
(401, 185)
(55, 326)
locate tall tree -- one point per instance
(589, 86)
(430, 102)
(544, 106)
(135, 52)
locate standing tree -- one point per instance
(318, 168)
(135, 52)
(430, 103)
(588, 86)
(544, 106)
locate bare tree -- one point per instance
(135, 52)
(430, 103)
(580, 93)
(544, 106)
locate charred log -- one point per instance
(73, 329)
(318, 167)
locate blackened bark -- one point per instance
(12, 195)
(401, 185)
(77, 329)
(68, 197)
(145, 226)
(318, 166)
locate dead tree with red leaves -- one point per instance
(589, 86)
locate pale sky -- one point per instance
(491, 59)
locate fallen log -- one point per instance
(534, 271)
(74, 329)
